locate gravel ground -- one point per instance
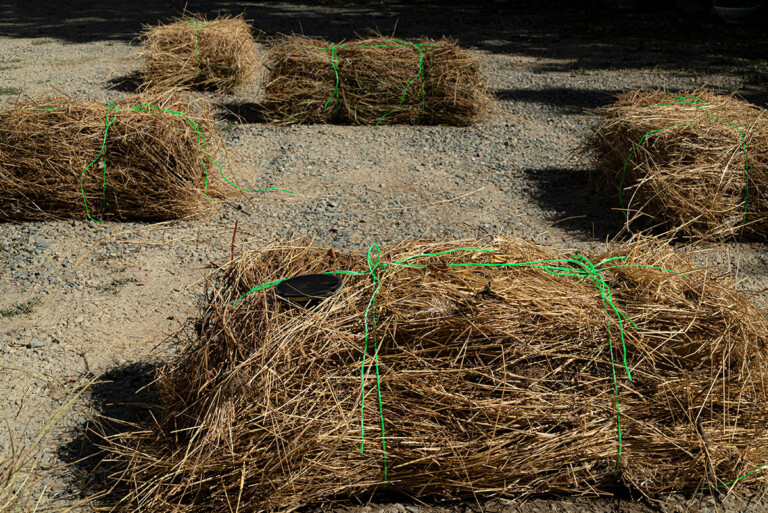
(81, 300)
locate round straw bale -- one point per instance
(217, 54)
(140, 158)
(372, 81)
(696, 163)
(494, 381)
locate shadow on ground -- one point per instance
(247, 112)
(579, 35)
(572, 101)
(570, 193)
(123, 396)
(129, 83)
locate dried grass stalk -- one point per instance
(495, 382)
(217, 54)
(689, 176)
(154, 164)
(379, 81)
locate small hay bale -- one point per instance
(494, 382)
(696, 163)
(374, 81)
(54, 161)
(217, 55)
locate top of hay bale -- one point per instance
(218, 54)
(372, 81)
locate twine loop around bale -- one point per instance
(373, 267)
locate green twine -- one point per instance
(400, 42)
(688, 100)
(579, 267)
(201, 144)
(195, 24)
(373, 266)
(103, 150)
(335, 65)
(729, 483)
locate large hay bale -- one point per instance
(373, 81)
(495, 381)
(217, 54)
(695, 162)
(139, 158)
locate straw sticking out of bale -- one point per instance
(140, 158)
(217, 54)
(374, 81)
(494, 381)
(693, 162)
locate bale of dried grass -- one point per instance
(696, 162)
(371, 81)
(141, 158)
(494, 382)
(217, 54)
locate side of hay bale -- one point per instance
(373, 81)
(494, 382)
(64, 157)
(217, 54)
(699, 166)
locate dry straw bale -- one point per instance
(689, 175)
(494, 381)
(154, 164)
(380, 81)
(217, 54)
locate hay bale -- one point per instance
(217, 54)
(65, 157)
(372, 81)
(494, 382)
(696, 163)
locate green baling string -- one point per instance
(195, 24)
(578, 267)
(370, 330)
(103, 150)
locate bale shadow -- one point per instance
(122, 396)
(569, 100)
(130, 83)
(579, 206)
(755, 95)
(248, 112)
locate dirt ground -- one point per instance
(82, 301)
